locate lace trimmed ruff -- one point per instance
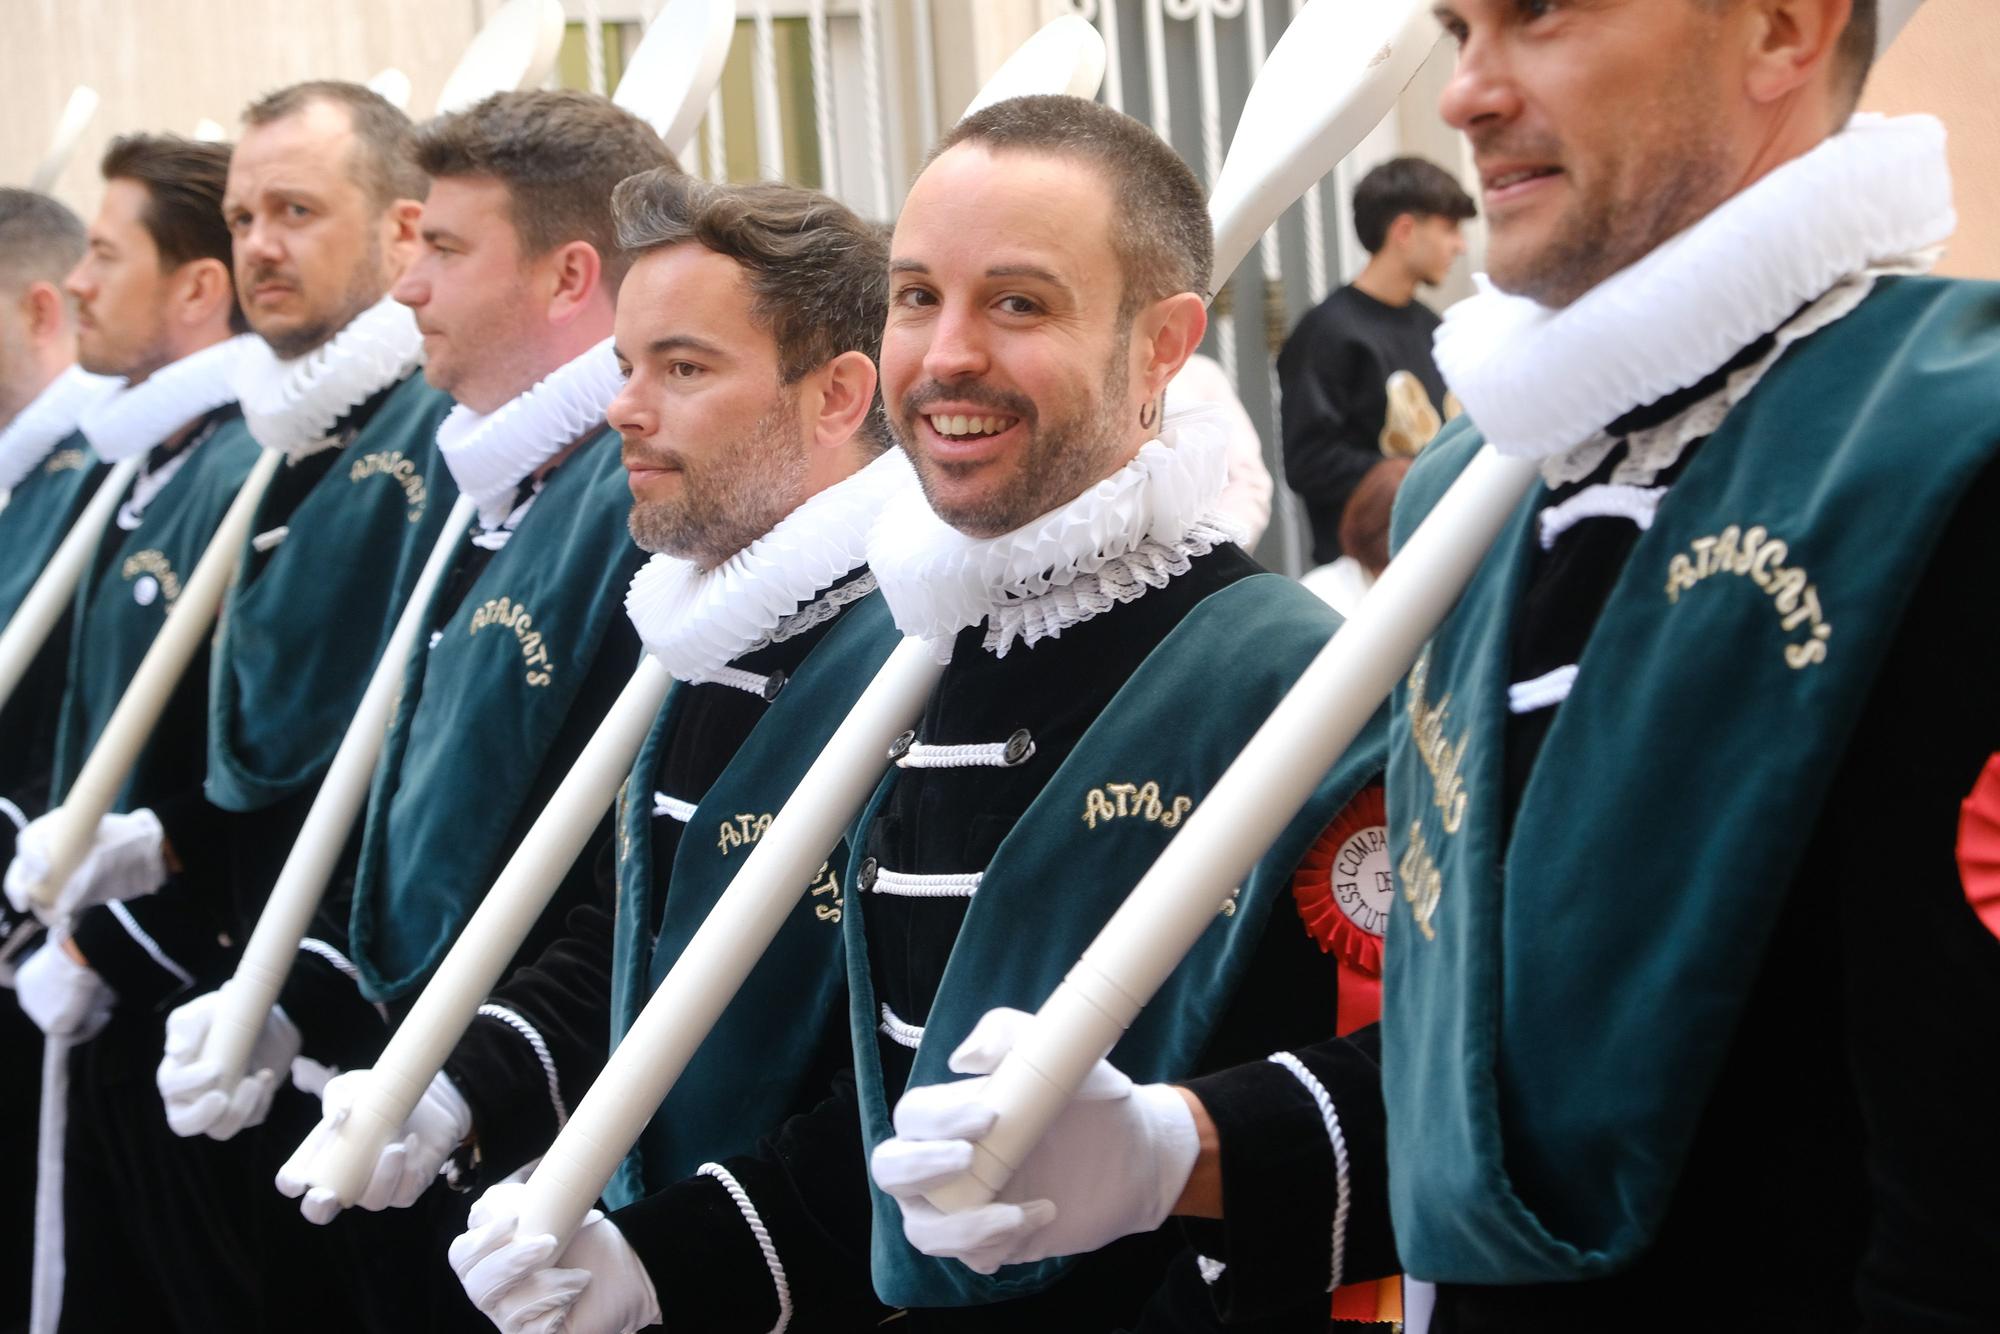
(291, 406)
(490, 455)
(697, 621)
(1541, 382)
(133, 420)
(1133, 531)
(50, 415)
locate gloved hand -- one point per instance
(126, 860)
(404, 1169)
(197, 1100)
(1114, 1162)
(602, 1287)
(66, 999)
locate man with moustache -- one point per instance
(1682, 1006)
(755, 445)
(1067, 555)
(320, 203)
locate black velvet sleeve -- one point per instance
(807, 1183)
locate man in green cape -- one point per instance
(1686, 1015)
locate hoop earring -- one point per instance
(1148, 414)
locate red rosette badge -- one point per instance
(1345, 885)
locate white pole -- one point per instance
(822, 77)
(35, 619)
(770, 116)
(1250, 805)
(871, 77)
(1315, 227)
(1156, 72)
(926, 53)
(1209, 86)
(491, 938)
(717, 154)
(725, 948)
(1114, 60)
(131, 723)
(593, 47)
(274, 942)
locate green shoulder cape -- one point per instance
(1557, 1004)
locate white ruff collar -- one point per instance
(133, 420)
(1539, 381)
(290, 406)
(938, 580)
(490, 455)
(695, 621)
(50, 415)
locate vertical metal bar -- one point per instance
(1315, 228)
(764, 79)
(871, 76)
(822, 77)
(1209, 84)
(926, 53)
(593, 46)
(1156, 72)
(712, 131)
(1114, 60)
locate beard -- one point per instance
(732, 497)
(1059, 459)
(364, 288)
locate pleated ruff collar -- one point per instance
(50, 415)
(133, 420)
(292, 406)
(491, 454)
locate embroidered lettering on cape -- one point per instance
(1755, 555)
(1142, 801)
(1423, 883)
(390, 463)
(743, 830)
(826, 884)
(151, 575)
(1440, 756)
(66, 460)
(511, 615)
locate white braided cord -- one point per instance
(1544, 692)
(909, 885)
(341, 964)
(1331, 1119)
(971, 755)
(148, 944)
(741, 1198)
(900, 1031)
(533, 1037)
(1637, 503)
(737, 679)
(673, 807)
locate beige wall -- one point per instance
(166, 64)
(1945, 64)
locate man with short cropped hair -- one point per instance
(1068, 552)
(1671, 1041)
(320, 205)
(1340, 410)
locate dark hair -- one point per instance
(820, 275)
(382, 163)
(40, 239)
(183, 180)
(560, 155)
(1161, 231)
(1406, 185)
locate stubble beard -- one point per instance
(365, 287)
(734, 498)
(1059, 461)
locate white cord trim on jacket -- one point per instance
(972, 755)
(341, 964)
(533, 1037)
(148, 944)
(899, 1031)
(1210, 1270)
(1331, 1119)
(909, 885)
(741, 1198)
(738, 679)
(1544, 692)
(673, 807)
(1637, 503)
(13, 813)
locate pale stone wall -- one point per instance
(168, 64)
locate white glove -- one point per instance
(65, 999)
(197, 1101)
(404, 1169)
(1114, 1162)
(126, 860)
(601, 1289)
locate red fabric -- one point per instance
(1979, 846)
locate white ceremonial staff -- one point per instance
(668, 89)
(516, 48)
(35, 619)
(1269, 782)
(75, 119)
(743, 922)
